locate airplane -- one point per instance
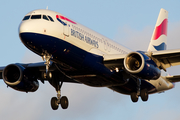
(74, 53)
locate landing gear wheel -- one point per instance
(64, 102)
(144, 95)
(54, 103)
(134, 97)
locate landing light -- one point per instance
(117, 69)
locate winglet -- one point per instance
(159, 36)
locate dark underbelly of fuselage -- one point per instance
(85, 67)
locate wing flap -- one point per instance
(167, 58)
(113, 61)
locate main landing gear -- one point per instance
(55, 101)
(63, 101)
(142, 93)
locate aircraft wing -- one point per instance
(164, 59)
(167, 58)
(114, 60)
(40, 67)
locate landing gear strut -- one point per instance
(47, 58)
(63, 101)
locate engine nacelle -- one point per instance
(140, 65)
(19, 78)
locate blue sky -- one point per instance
(129, 23)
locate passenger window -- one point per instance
(26, 17)
(36, 17)
(45, 17)
(50, 18)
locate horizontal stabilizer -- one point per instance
(175, 78)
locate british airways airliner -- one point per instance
(74, 53)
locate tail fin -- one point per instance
(159, 36)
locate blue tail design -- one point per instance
(162, 46)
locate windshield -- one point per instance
(26, 17)
(45, 17)
(36, 17)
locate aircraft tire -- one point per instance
(54, 103)
(64, 102)
(144, 95)
(134, 97)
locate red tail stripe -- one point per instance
(161, 29)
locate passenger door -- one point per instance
(66, 29)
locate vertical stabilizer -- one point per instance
(159, 36)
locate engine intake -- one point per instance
(19, 78)
(141, 66)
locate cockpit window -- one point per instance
(45, 17)
(50, 18)
(26, 17)
(36, 17)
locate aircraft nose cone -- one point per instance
(23, 28)
(27, 27)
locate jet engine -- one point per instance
(141, 66)
(19, 78)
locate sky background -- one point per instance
(129, 23)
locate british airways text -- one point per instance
(82, 37)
